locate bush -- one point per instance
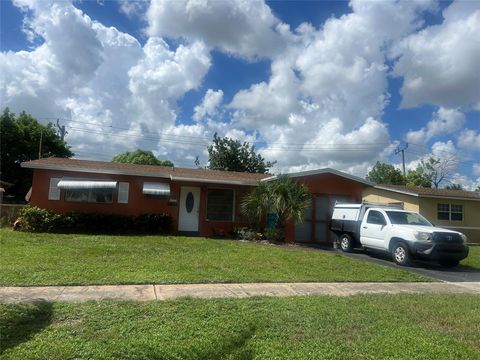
(40, 220)
(274, 234)
(245, 233)
(154, 223)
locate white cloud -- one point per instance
(469, 139)
(209, 105)
(476, 169)
(444, 121)
(442, 149)
(328, 90)
(439, 64)
(245, 28)
(133, 8)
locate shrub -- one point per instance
(245, 233)
(40, 220)
(154, 223)
(274, 234)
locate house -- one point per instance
(201, 202)
(452, 209)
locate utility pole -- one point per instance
(402, 150)
(61, 130)
(40, 145)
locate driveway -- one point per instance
(456, 274)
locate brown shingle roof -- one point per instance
(422, 191)
(175, 173)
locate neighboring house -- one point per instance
(453, 209)
(200, 201)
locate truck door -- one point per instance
(373, 230)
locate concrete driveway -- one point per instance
(456, 274)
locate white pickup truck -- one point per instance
(404, 234)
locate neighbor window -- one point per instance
(220, 204)
(89, 195)
(450, 212)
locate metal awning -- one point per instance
(85, 184)
(159, 189)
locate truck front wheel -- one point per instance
(346, 243)
(401, 254)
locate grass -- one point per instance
(356, 327)
(57, 259)
(473, 259)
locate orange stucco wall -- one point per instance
(326, 184)
(137, 202)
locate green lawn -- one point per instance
(473, 259)
(356, 327)
(55, 259)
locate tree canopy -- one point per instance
(232, 155)
(419, 177)
(140, 157)
(439, 170)
(454, 187)
(285, 197)
(383, 173)
(20, 139)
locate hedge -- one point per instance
(34, 219)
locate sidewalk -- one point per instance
(168, 292)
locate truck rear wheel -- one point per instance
(401, 254)
(346, 243)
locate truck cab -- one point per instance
(406, 235)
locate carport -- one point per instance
(327, 186)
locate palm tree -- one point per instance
(285, 197)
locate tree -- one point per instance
(20, 138)
(418, 177)
(383, 173)
(285, 197)
(439, 170)
(454, 187)
(140, 157)
(478, 188)
(231, 155)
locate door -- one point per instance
(373, 230)
(189, 209)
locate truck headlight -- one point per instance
(464, 238)
(423, 236)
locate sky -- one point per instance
(311, 84)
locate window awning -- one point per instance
(86, 184)
(159, 189)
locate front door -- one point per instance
(189, 209)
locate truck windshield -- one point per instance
(407, 218)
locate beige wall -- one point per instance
(384, 197)
(470, 225)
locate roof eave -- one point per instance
(322, 171)
(93, 171)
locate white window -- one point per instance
(54, 191)
(123, 192)
(450, 212)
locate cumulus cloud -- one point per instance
(469, 139)
(444, 121)
(321, 105)
(439, 64)
(244, 28)
(209, 105)
(328, 90)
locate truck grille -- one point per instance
(449, 238)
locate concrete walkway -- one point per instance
(167, 292)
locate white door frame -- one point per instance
(189, 221)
